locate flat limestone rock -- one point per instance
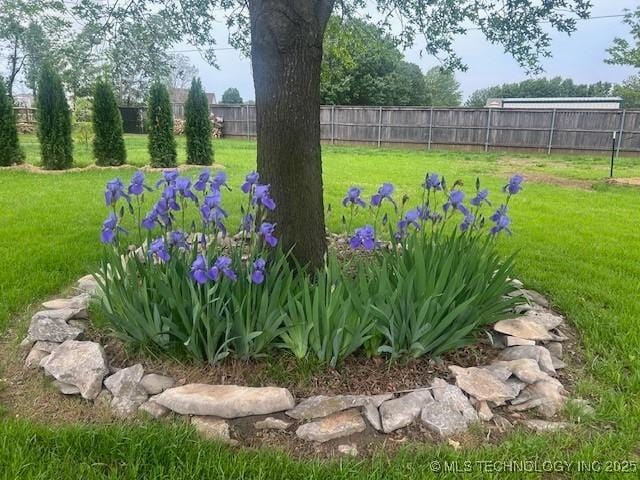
(271, 423)
(525, 328)
(53, 328)
(350, 450)
(547, 396)
(536, 298)
(46, 346)
(226, 401)
(372, 414)
(154, 409)
(322, 405)
(400, 412)
(545, 318)
(481, 384)
(88, 285)
(514, 341)
(535, 352)
(66, 388)
(451, 395)
(83, 364)
(34, 358)
(337, 425)
(442, 419)
(213, 428)
(484, 412)
(555, 349)
(525, 369)
(79, 303)
(154, 383)
(127, 392)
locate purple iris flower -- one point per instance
(168, 178)
(456, 197)
(432, 181)
(169, 198)
(261, 197)
(266, 230)
(222, 265)
(514, 185)
(364, 237)
(149, 222)
(178, 239)
(203, 180)
(183, 186)
(162, 211)
(249, 181)
(467, 222)
(137, 186)
(480, 198)
(158, 250)
(219, 181)
(212, 212)
(410, 219)
(114, 192)
(110, 229)
(353, 197)
(501, 221)
(384, 191)
(258, 272)
(424, 213)
(199, 270)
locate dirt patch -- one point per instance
(632, 181)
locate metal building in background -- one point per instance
(561, 103)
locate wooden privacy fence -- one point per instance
(474, 128)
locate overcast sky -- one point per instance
(579, 57)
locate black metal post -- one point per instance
(613, 152)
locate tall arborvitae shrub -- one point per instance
(54, 122)
(108, 143)
(198, 126)
(162, 145)
(10, 151)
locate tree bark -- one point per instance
(286, 55)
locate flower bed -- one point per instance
(432, 280)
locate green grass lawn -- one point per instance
(578, 244)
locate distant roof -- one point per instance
(562, 99)
(179, 95)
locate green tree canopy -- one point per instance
(442, 88)
(231, 95)
(623, 52)
(10, 151)
(540, 87)
(629, 90)
(198, 126)
(54, 121)
(108, 142)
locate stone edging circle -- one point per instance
(523, 377)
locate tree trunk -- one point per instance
(286, 54)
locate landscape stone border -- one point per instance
(522, 377)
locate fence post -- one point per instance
(333, 112)
(621, 133)
(430, 127)
(553, 126)
(486, 139)
(379, 126)
(247, 122)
